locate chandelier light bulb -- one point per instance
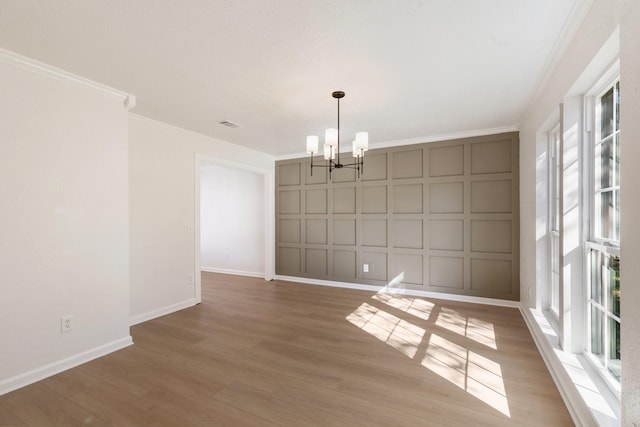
(331, 137)
(312, 144)
(329, 152)
(362, 141)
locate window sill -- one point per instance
(588, 399)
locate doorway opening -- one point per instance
(234, 224)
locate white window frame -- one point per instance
(606, 246)
(555, 218)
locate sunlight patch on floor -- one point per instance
(414, 306)
(477, 375)
(475, 329)
(398, 333)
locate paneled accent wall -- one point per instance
(441, 217)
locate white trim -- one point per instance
(162, 311)
(234, 272)
(46, 371)
(604, 82)
(394, 289)
(270, 226)
(130, 102)
(197, 289)
(421, 140)
(12, 58)
(588, 401)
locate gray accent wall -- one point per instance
(439, 217)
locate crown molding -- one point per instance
(29, 64)
(419, 140)
(444, 137)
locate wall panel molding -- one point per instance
(436, 217)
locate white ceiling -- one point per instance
(411, 69)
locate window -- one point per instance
(603, 247)
(554, 219)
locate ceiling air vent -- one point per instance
(229, 124)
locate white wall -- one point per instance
(604, 18)
(63, 222)
(162, 173)
(232, 226)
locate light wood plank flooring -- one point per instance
(258, 353)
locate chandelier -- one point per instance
(332, 146)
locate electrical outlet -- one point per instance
(66, 323)
(365, 268)
(190, 279)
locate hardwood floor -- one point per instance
(258, 353)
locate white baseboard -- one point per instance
(46, 371)
(235, 272)
(397, 289)
(161, 311)
(582, 394)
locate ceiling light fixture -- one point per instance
(332, 146)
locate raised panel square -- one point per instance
(316, 262)
(407, 198)
(344, 174)
(375, 166)
(407, 234)
(408, 268)
(377, 262)
(446, 197)
(344, 232)
(289, 174)
(289, 231)
(374, 200)
(491, 157)
(289, 202)
(446, 235)
(446, 272)
(374, 232)
(319, 175)
(491, 236)
(344, 200)
(344, 264)
(491, 275)
(491, 196)
(316, 201)
(316, 231)
(446, 161)
(407, 164)
(289, 261)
